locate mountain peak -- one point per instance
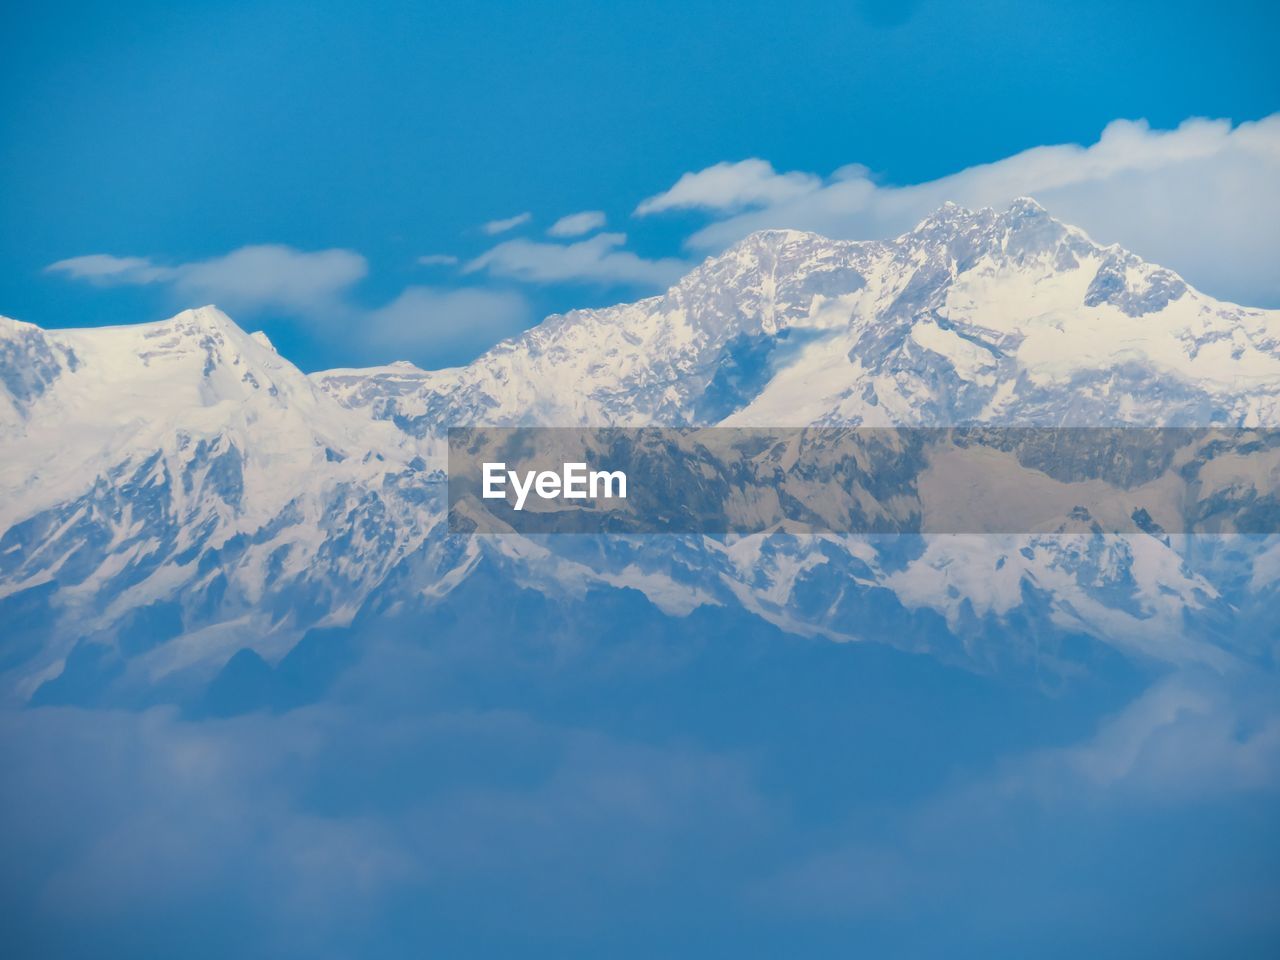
(774, 239)
(1021, 232)
(10, 325)
(952, 213)
(1026, 205)
(207, 318)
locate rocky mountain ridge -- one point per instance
(173, 492)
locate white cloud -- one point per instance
(1193, 733)
(104, 268)
(596, 260)
(273, 276)
(494, 227)
(1193, 744)
(576, 224)
(437, 260)
(433, 325)
(1202, 199)
(732, 186)
(448, 325)
(251, 277)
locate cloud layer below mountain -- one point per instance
(979, 818)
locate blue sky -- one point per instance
(343, 143)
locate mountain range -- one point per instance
(178, 500)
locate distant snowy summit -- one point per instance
(1001, 317)
(172, 492)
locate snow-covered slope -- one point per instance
(183, 474)
(185, 462)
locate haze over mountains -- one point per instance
(175, 492)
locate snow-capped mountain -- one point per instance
(185, 473)
(981, 316)
(173, 492)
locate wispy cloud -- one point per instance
(1200, 199)
(1190, 747)
(454, 325)
(436, 325)
(437, 260)
(104, 268)
(494, 227)
(576, 224)
(599, 259)
(252, 277)
(732, 187)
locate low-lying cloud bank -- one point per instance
(502, 799)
